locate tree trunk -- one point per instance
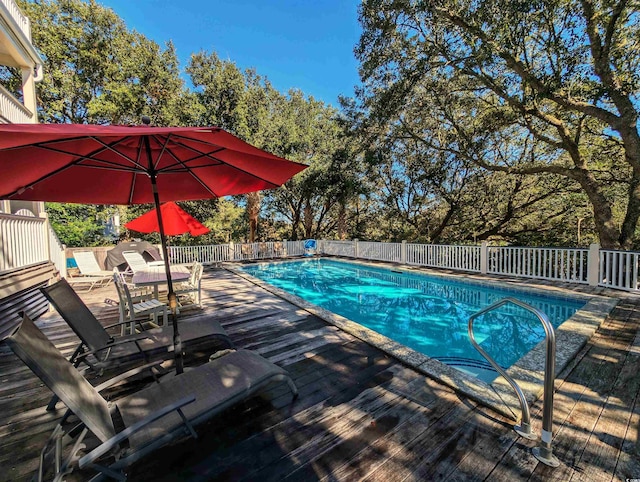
(253, 210)
(342, 222)
(308, 220)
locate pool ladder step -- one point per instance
(456, 361)
(543, 452)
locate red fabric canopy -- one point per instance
(175, 220)
(95, 164)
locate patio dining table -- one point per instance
(156, 276)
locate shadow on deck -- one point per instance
(360, 414)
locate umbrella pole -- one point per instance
(173, 302)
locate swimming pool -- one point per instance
(425, 313)
(432, 288)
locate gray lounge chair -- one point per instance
(100, 350)
(151, 417)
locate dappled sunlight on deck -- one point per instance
(360, 413)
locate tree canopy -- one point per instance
(545, 88)
(511, 122)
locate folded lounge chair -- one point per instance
(100, 350)
(151, 417)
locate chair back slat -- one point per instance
(76, 314)
(135, 260)
(86, 262)
(126, 301)
(62, 378)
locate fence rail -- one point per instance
(24, 241)
(213, 254)
(619, 269)
(21, 20)
(464, 258)
(560, 264)
(27, 240)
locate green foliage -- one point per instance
(78, 225)
(98, 71)
(544, 88)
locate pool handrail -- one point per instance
(544, 452)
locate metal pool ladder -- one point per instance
(544, 452)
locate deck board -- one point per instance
(361, 414)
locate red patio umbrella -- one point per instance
(95, 164)
(174, 219)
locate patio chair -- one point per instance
(91, 275)
(136, 307)
(88, 265)
(192, 287)
(99, 350)
(150, 418)
(137, 263)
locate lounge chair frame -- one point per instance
(96, 415)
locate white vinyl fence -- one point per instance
(464, 258)
(619, 269)
(560, 264)
(25, 240)
(219, 253)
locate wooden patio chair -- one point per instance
(137, 307)
(192, 288)
(150, 418)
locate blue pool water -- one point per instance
(426, 313)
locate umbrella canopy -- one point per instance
(174, 219)
(94, 164)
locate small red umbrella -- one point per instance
(175, 220)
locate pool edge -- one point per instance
(571, 336)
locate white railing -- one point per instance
(338, 248)
(23, 241)
(619, 269)
(294, 248)
(57, 252)
(207, 254)
(27, 240)
(11, 109)
(562, 264)
(11, 7)
(212, 254)
(391, 252)
(464, 258)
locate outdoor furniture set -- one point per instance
(149, 418)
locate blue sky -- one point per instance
(302, 44)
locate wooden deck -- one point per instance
(360, 414)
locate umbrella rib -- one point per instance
(208, 156)
(80, 158)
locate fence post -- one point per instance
(355, 249)
(484, 257)
(232, 251)
(284, 248)
(403, 252)
(593, 265)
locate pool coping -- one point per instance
(528, 371)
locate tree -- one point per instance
(559, 77)
(98, 71)
(78, 224)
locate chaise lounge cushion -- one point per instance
(217, 385)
